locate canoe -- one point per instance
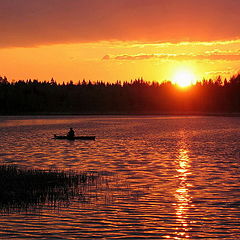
(75, 138)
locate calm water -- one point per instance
(166, 177)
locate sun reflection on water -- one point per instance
(182, 195)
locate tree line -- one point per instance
(134, 97)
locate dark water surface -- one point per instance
(166, 177)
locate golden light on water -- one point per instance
(182, 195)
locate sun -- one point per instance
(184, 78)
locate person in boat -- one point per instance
(71, 133)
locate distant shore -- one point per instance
(213, 114)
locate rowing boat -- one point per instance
(75, 137)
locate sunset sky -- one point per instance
(112, 40)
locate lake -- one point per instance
(163, 177)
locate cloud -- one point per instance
(220, 73)
(214, 55)
(106, 57)
(31, 22)
(136, 57)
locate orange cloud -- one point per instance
(227, 56)
(32, 23)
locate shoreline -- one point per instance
(210, 114)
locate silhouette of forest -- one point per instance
(134, 97)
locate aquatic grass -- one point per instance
(27, 188)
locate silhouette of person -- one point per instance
(71, 133)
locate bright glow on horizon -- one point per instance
(112, 61)
(184, 78)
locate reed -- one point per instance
(27, 188)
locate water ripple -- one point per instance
(167, 177)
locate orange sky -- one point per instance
(118, 40)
